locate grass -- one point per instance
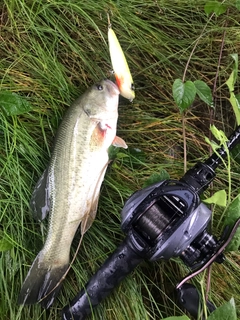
(50, 52)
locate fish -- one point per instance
(69, 188)
(121, 70)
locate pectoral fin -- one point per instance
(40, 200)
(119, 142)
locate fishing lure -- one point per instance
(120, 66)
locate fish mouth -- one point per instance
(115, 87)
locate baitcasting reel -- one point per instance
(164, 220)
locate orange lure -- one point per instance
(120, 67)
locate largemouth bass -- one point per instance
(69, 188)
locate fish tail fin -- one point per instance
(42, 283)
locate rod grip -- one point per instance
(117, 266)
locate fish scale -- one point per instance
(69, 188)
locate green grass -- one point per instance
(50, 52)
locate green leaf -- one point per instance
(183, 93)
(233, 77)
(237, 97)
(216, 7)
(235, 105)
(218, 134)
(213, 144)
(230, 82)
(226, 312)
(231, 215)
(235, 58)
(156, 177)
(204, 92)
(219, 198)
(234, 99)
(121, 155)
(177, 318)
(237, 4)
(116, 153)
(13, 104)
(5, 245)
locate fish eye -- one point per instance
(132, 87)
(99, 87)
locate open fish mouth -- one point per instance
(115, 87)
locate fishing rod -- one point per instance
(162, 221)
